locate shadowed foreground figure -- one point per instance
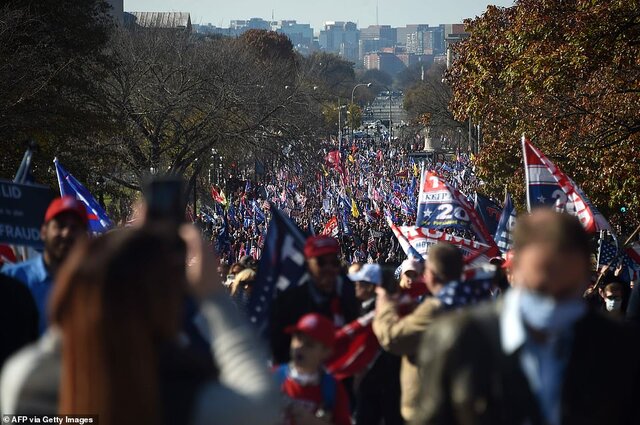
(114, 347)
(536, 356)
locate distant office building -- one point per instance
(210, 29)
(384, 61)
(341, 38)
(403, 32)
(426, 40)
(410, 59)
(384, 33)
(374, 38)
(301, 35)
(243, 25)
(159, 20)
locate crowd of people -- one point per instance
(348, 197)
(149, 323)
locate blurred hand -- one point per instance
(202, 276)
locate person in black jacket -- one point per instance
(18, 317)
(535, 356)
(377, 388)
(326, 293)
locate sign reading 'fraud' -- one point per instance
(22, 209)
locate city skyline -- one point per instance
(362, 12)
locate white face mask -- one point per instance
(613, 305)
(543, 313)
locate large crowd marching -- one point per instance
(123, 327)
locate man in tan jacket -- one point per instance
(401, 335)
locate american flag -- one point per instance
(459, 294)
(281, 265)
(608, 253)
(371, 244)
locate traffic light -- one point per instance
(623, 209)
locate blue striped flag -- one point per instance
(99, 222)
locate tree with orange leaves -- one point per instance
(566, 72)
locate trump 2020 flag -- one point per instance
(441, 206)
(548, 186)
(99, 222)
(282, 264)
(437, 207)
(505, 225)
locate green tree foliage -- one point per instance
(566, 72)
(412, 75)
(354, 116)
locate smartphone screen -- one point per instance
(165, 200)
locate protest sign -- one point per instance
(22, 209)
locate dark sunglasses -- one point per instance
(324, 262)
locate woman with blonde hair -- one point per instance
(241, 288)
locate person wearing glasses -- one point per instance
(324, 291)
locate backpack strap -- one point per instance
(328, 388)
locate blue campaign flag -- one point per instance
(281, 266)
(99, 222)
(411, 190)
(406, 209)
(223, 244)
(247, 221)
(489, 212)
(345, 203)
(232, 215)
(258, 213)
(345, 223)
(390, 216)
(505, 225)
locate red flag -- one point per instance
(331, 228)
(355, 348)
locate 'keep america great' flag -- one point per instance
(548, 186)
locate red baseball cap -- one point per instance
(320, 245)
(316, 326)
(66, 204)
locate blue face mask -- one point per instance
(544, 313)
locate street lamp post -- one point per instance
(340, 124)
(358, 85)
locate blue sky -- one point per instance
(395, 13)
